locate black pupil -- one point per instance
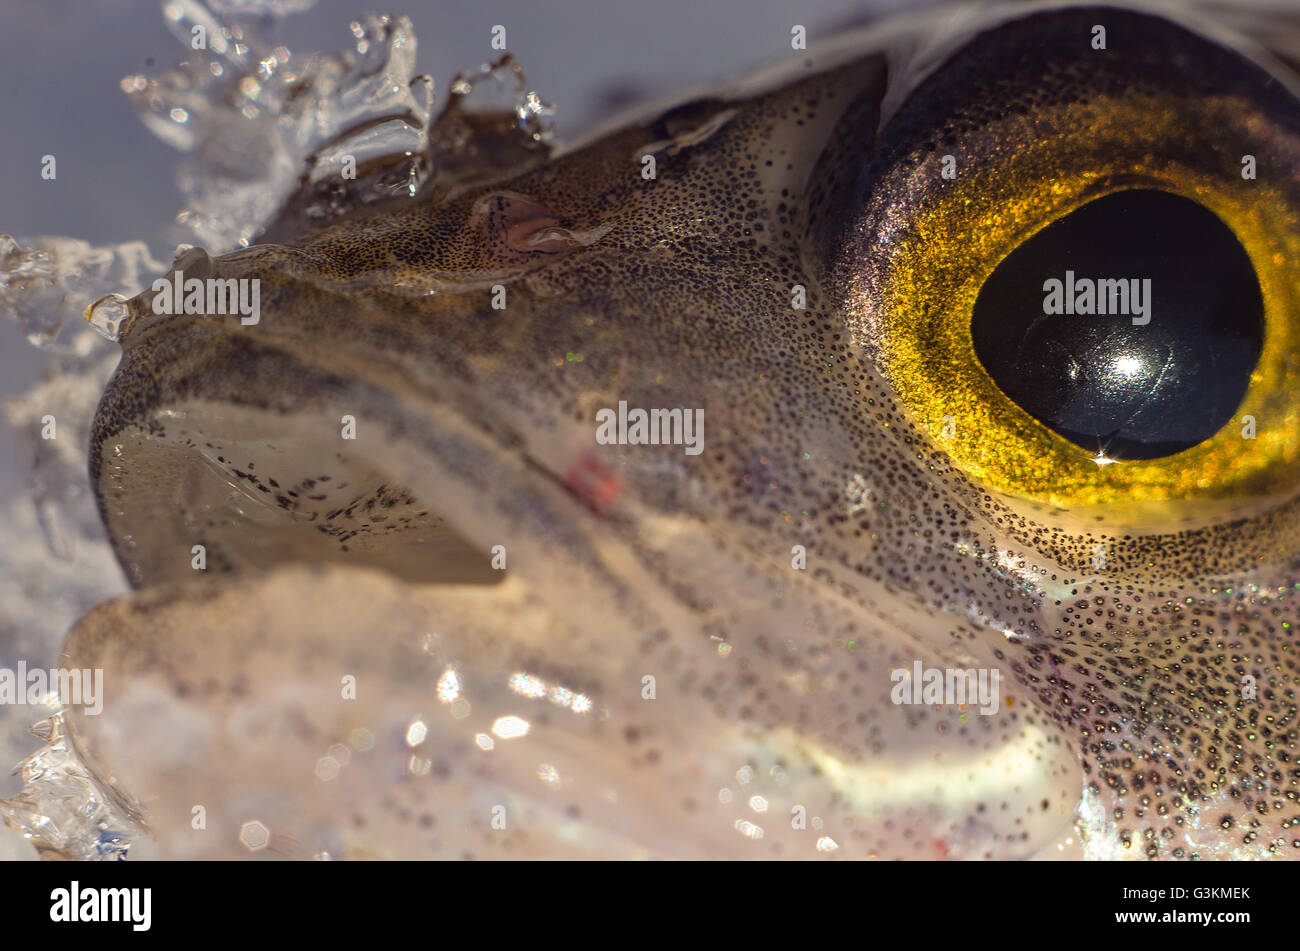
(1145, 343)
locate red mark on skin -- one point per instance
(940, 849)
(591, 481)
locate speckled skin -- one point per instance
(1121, 730)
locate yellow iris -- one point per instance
(964, 231)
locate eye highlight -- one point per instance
(1053, 148)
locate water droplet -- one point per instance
(252, 115)
(62, 809)
(107, 315)
(491, 123)
(44, 282)
(493, 89)
(536, 117)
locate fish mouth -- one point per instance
(259, 476)
(252, 497)
(474, 705)
(537, 593)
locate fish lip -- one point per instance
(167, 368)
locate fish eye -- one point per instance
(1080, 353)
(1073, 254)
